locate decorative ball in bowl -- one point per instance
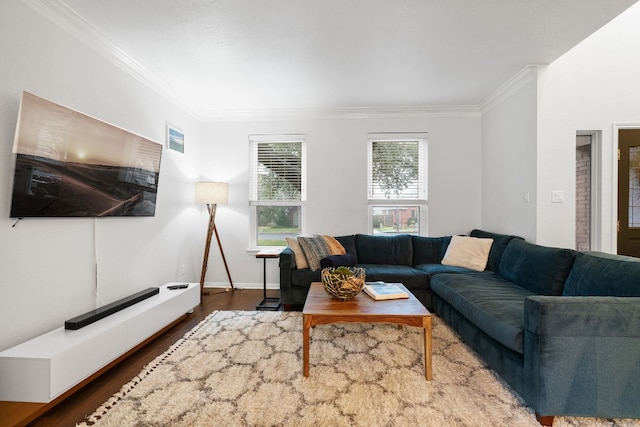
(343, 283)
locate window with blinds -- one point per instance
(277, 188)
(396, 169)
(397, 183)
(277, 168)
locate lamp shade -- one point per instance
(213, 193)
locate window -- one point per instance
(397, 183)
(277, 188)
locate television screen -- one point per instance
(71, 165)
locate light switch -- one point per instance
(526, 197)
(557, 196)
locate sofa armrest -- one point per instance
(287, 259)
(287, 263)
(582, 355)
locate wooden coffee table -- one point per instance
(321, 309)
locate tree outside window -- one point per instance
(397, 184)
(395, 169)
(277, 190)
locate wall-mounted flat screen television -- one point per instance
(71, 165)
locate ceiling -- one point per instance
(238, 55)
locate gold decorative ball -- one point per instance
(343, 283)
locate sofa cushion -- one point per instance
(599, 274)
(491, 303)
(468, 252)
(500, 242)
(394, 250)
(314, 248)
(335, 247)
(432, 269)
(540, 269)
(429, 250)
(348, 242)
(345, 260)
(301, 260)
(408, 276)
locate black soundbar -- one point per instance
(102, 312)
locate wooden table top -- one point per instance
(319, 302)
(268, 253)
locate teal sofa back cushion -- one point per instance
(598, 274)
(540, 269)
(500, 242)
(384, 249)
(429, 250)
(348, 242)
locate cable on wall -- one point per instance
(95, 262)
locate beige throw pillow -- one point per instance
(301, 260)
(468, 252)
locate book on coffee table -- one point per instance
(382, 291)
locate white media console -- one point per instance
(45, 367)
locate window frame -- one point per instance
(421, 201)
(254, 202)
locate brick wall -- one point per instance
(583, 197)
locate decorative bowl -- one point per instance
(343, 283)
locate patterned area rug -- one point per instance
(244, 368)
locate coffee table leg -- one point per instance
(306, 325)
(427, 347)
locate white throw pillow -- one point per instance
(468, 252)
(301, 260)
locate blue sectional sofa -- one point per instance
(410, 260)
(561, 327)
(402, 258)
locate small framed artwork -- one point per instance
(175, 139)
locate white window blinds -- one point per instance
(277, 169)
(396, 168)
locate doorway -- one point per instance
(588, 200)
(583, 192)
(629, 192)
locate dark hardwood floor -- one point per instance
(74, 409)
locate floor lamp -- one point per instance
(212, 194)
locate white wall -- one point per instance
(337, 174)
(529, 136)
(47, 267)
(592, 87)
(55, 269)
(509, 134)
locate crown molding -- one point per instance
(343, 113)
(510, 87)
(67, 19)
